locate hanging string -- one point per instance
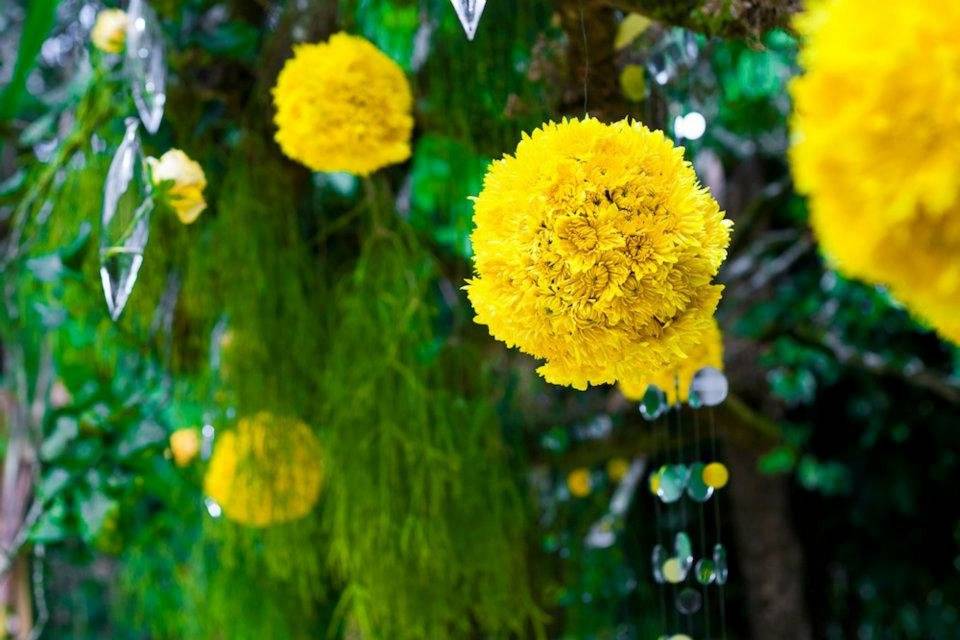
(707, 612)
(716, 508)
(658, 517)
(586, 59)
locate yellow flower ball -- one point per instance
(579, 483)
(876, 146)
(180, 182)
(595, 247)
(708, 353)
(654, 483)
(184, 445)
(617, 468)
(716, 475)
(343, 105)
(266, 471)
(672, 571)
(109, 33)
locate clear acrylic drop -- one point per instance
(689, 601)
(705, 571)
(145, 66)
(124, 221)
(674, 52)
(684, 550)
(469, 12)
(653, 404)
(710, 386)
(657, 558)
(673, 480)
(720, 564)
(697, 489)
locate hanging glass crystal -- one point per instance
(124, 221)
(697, 488)
(705, 571)
(146, 68)
(684, 550)
(469, 12)
(710, 387)
(673, 480)
(688, 601)
(653, 404)
(657, 558)
(720, 564)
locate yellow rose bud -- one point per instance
(185, 445)
(181, 181)
(579, 482)
(109, 32)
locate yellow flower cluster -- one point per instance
(876, 146)
(709, 353)
(343, 106)
(109, 33)
(266, 471)
(595, 247)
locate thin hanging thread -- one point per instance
(658, 516)
(716, 509)
(586, 59)
(703, 526)
(682, 501)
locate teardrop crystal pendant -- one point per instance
(469, 12)
(146, 68)
(124, 221)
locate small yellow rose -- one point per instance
(109, 32)
(579, 482)
(184, 445)
(181, 181)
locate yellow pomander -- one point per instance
(876, 146)
(109, 33)
(633, 82)
(184, 445)
(579, 483)
(266, 471)
(654, 481)
(180, 182)
(343, 105)
(672, 572)
(716, 475)
(708, 353)
(617, 468)
(595, 247)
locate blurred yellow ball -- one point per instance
(184, 445)
(633, 82)
(655, 482)
(109, 33)
(578, 481)
(617, 468)
(672, 572)
(716, 475)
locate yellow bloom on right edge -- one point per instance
(595, 249)
(876, 146)
(266, 471)
(709, 353)
(343, 105)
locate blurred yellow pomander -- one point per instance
(579, 483)
(876, 146)
(266, 471)
(595, 247)
(343, 105)
(708, 353)
(180, 182)
(715, 475)
(184, 445)
(109, 33)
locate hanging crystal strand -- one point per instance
(469, 12)
(124, 221)
(145, 65)
(658, 555)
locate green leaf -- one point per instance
(778, 460)
(95, 509)
(65, 429)
(37, 25)
(53, 483)
(139, 436)
(51, 526)
(233, 39)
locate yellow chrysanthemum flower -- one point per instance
(343, 105)
(876, 132)
(266, 471)
(708, 353)
(109, 33)
(595, 247)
